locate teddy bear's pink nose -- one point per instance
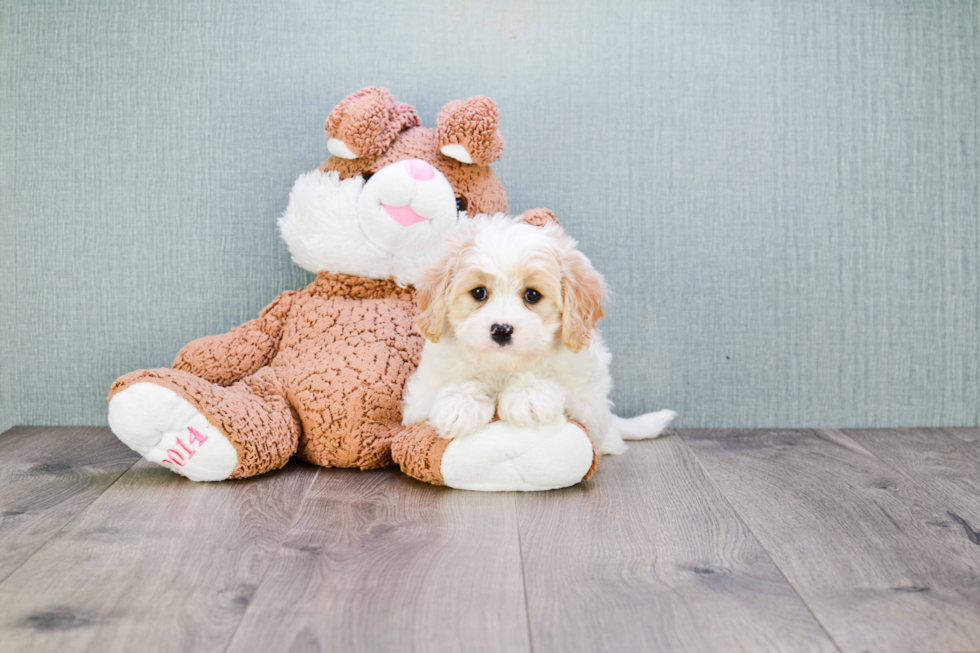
(420, 170)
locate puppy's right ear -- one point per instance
(431, 295)
(365, 123)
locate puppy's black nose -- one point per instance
(501, 333)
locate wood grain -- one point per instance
(650, 557)
(872, 555)
(711, 541)
(47, 477)
(157, 563)
(945, 463)
(379, 562)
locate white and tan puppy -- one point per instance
(509, 315)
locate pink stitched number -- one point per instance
(174, 457)
(190, 454)
(196, 437)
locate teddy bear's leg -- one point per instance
(203, 431)
(500, 457)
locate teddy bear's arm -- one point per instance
(229, 357)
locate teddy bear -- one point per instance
(319, 374)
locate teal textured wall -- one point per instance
(783, 195)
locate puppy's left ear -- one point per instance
(583, 291)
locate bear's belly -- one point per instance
(344, 363)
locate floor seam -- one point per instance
(285, 536)
(520, 550)
(755, 537)
(67, 523)
(911, 479)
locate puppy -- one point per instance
(509, 315)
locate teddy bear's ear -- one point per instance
(468, 131)
(366, 123)
(539, 218)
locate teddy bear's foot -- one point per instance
(166, 429)
(503, 457)
(249, 421)
(499, 457)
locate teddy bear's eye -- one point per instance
(532, 296)
(479, 294)
(460, 203)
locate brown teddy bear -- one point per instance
(320, 373)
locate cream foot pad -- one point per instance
(502, 457)
(166, 429)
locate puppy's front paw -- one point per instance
(461, 409)
(530, 402)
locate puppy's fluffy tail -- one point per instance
(644, 427)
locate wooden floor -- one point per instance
(699, 541)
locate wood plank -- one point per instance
(871, 554)
(156, 563)
(48, 475)
(943, 462)
(379, 562)
(650, 557)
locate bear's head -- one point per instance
(380, 207)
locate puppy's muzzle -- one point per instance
(501, 333)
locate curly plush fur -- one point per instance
(320, 373)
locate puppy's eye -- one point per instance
(460, 203)
(367, 175)
(532, 296)
(479, 294)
